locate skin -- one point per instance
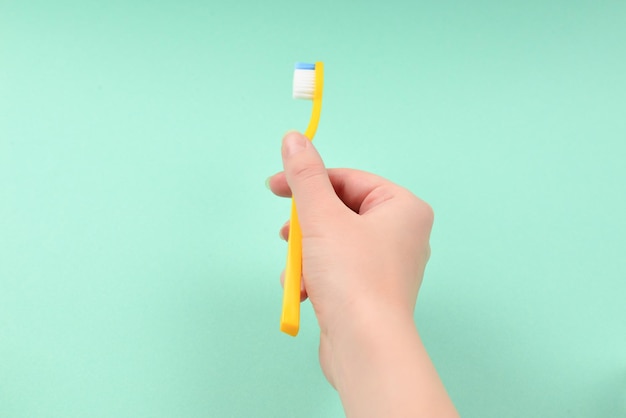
(365, 247)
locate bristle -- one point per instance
(304, 81)
(304, 66)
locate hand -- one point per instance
(365, 247)
(365, 239)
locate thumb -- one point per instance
(307, 177)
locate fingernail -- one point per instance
(293, 144)
(267, 183)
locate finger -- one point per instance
(307, 178)
(278, 185)
(284, 231)
(359, 190)
(303, 294)
(362, 191)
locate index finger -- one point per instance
(359, 190)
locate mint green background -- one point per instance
(139, 256)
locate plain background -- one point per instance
(139, 254)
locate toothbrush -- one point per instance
(308, 83)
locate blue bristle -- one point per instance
(304, 66)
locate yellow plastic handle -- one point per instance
(290, 318)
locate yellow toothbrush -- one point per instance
(308, 83)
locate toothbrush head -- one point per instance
(304, 81)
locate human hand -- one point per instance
(364, 250)
(365, 240)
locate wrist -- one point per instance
(366, 317)
(380, 367)
(364, 332)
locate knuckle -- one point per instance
(307, 171)
(424, 214)
(428, 214)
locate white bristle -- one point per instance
(303, 84)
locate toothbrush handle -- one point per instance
(290, 319)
